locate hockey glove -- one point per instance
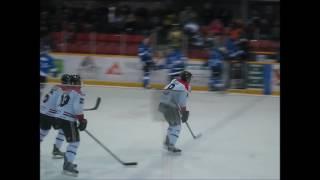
(185, 116)
(82, 123)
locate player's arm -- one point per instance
(143, 52)
(78, 109)
(182, 102)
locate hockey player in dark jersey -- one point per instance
(215, 64)
(47, 66)
(145, 53)
(175, 63)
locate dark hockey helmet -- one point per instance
(66, 79)
(75, 79)
(186, 76)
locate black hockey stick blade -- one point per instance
(130, 163)
(96, 105)
(194, 136)
(197, 136)
(110, 152)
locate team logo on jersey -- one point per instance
(114, 69)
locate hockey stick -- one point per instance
(194, 136)
(96, 105)
(113, 155)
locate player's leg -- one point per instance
(173, 118)
(211, 79)
(57, 154)
(220, 81)
(72, 136)
(45, 126)
(215, 82)
(146, 75)
(43, 79)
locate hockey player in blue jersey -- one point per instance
(145, 54)
(233, 49)
(215, 64)
(176, 63)
(46, 66)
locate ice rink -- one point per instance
(241, 138)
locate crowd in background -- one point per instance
(125, 19)
(205, 26)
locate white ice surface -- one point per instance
(241, 139)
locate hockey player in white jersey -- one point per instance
(69, 112)
(48, 115)
(173, 105)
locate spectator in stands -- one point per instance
(112, 15)
(155, 17)
(225, 16)
(142, 15)
(196, 38)
(265, 29)
(206, 13)
(276, 30)
(187, 15)
(235, 30)
(175, 36)
(216, 27)
(130, 24)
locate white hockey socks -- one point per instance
(72, 151)
(59, 139)
(173, 134)
(43, 134)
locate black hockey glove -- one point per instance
(82, 124)
(185, 116)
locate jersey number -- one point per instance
(171, 86)
(46, 98)
(64, 99)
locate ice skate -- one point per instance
(56, 153)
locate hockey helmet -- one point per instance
(65, 79)
(186, 76)
(75, 79)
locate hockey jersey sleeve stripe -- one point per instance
(72, 152)
(143, 53)
(174, 135)
(69, 115)
(74, 146)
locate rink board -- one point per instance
(115, 70)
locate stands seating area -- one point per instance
(123, 44)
